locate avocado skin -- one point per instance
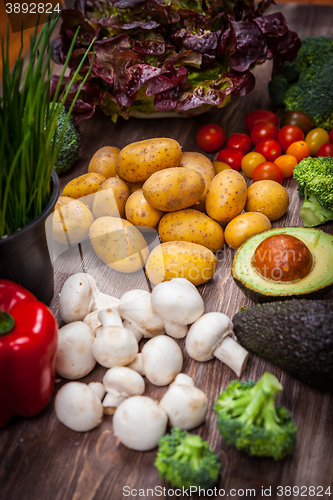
(260, 296)
(296, 335)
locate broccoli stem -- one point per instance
(313, 213)
(191, 450)
(261, 408)
(270, 420)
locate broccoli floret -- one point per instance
(248, 419)
(186, 460)
(314, 177)
(69, 151)
(305, 84)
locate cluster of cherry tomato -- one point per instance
(276, 150)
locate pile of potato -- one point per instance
(152, 184)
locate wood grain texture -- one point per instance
(43, 460)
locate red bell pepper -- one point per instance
(28, 345)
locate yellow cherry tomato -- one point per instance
(219, 166)
(250, 161)
(316, 138)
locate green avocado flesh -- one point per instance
(318, 281)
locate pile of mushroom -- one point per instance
(107, 330)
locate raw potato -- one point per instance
(181, 259)
(139, 160)
(139, 212)
(201, 164)
(174, 188)
(243, 226)
(118, 244)
(83, 185)
(104, 161)
(226, 197)
(111, 198)
(193, 226)
(134, 186)
(71, 223)
(267, 197)
(61, 201)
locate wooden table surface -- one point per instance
(40, 459)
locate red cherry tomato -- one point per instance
(267, 171)
(325, 149)
(269, 148)
(289, 134)
(231, 156)
(330, 135)
(263, 129)
(240, 141)
(260, 114)
(210, 138)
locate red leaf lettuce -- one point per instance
(163, 55)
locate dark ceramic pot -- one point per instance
(24, 255)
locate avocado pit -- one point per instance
(282, 257)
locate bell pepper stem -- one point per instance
(7, 323)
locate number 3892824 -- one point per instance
(32, 8)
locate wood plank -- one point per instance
(41, 459)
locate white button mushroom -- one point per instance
(75, 300)
(135, 332)
(78, 407)
(179, 304)
(209, 336)
(110, 317)
(98, 388)
(103, 301)
(120, 383)
(79, 296)
(92, 321)
(162, 360)
(74, 358)
(185, 404)
(113, 345)
(136, 364)
(135, 307)
(139, 422)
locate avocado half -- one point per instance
(317, 282)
